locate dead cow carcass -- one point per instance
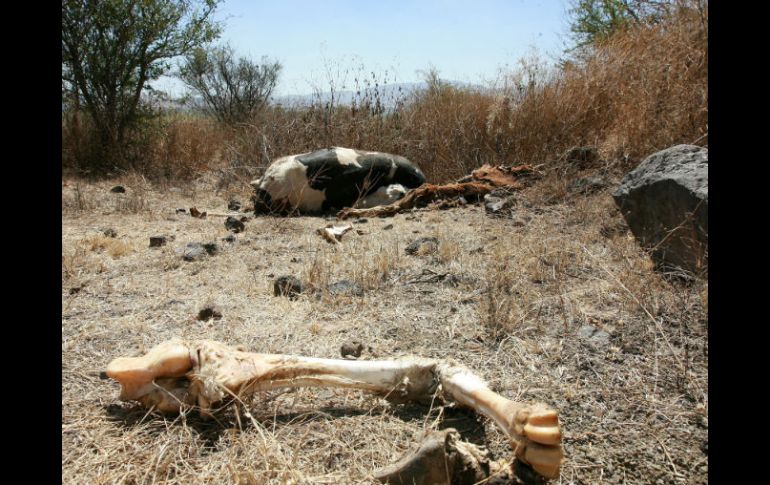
(332, 179)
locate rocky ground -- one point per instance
(550, 302)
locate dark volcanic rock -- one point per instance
(158, 241)
(352, 349)
(288, 286)
(118, 189)
(665, 203)
(195, 251)
(422, 246)
(233, 224)
(233, 205)
(110, 232)
(209, 312)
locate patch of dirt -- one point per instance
(633, 405)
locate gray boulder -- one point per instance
(665, 203)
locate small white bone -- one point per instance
(175, 374)
(333, 234)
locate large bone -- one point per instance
(177, 374)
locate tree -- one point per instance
(596, 20)
(233, 90)
(112, 48)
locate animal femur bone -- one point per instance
(178, 374)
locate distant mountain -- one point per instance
(388, 94)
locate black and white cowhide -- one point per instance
(334, 178)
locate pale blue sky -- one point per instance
(467, 40)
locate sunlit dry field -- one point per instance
(510, 297)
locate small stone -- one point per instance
(497, 205)
(197, 214)
(230, 238)
(352, 350)
(181, 211)
(593, 335)
(346, 287)
(209, 312)
(195, 251)
(362, 220)
(387, 227)
(118, 189)
(234, 205)
(110, 232)
(158, 241)
(422, 246)
(233, 224)
(288, 286)
(586, 186)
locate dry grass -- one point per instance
(640, 91)
(504, 299)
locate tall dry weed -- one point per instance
(639, 91)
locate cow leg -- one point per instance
(213, 372)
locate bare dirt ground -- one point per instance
(509, 297)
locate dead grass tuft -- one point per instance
(114, 247)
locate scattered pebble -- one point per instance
(497, 205)
(422, 246)
(194, 251)
(208, 312)
(110, 232)
(233, 224)
(158, 241)
(234, 205)
(352, 350)
(346, 287)
(118, 189)
(197, 214)
(388, 227)
(230, 238)
(288, 286)
(593, 335)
